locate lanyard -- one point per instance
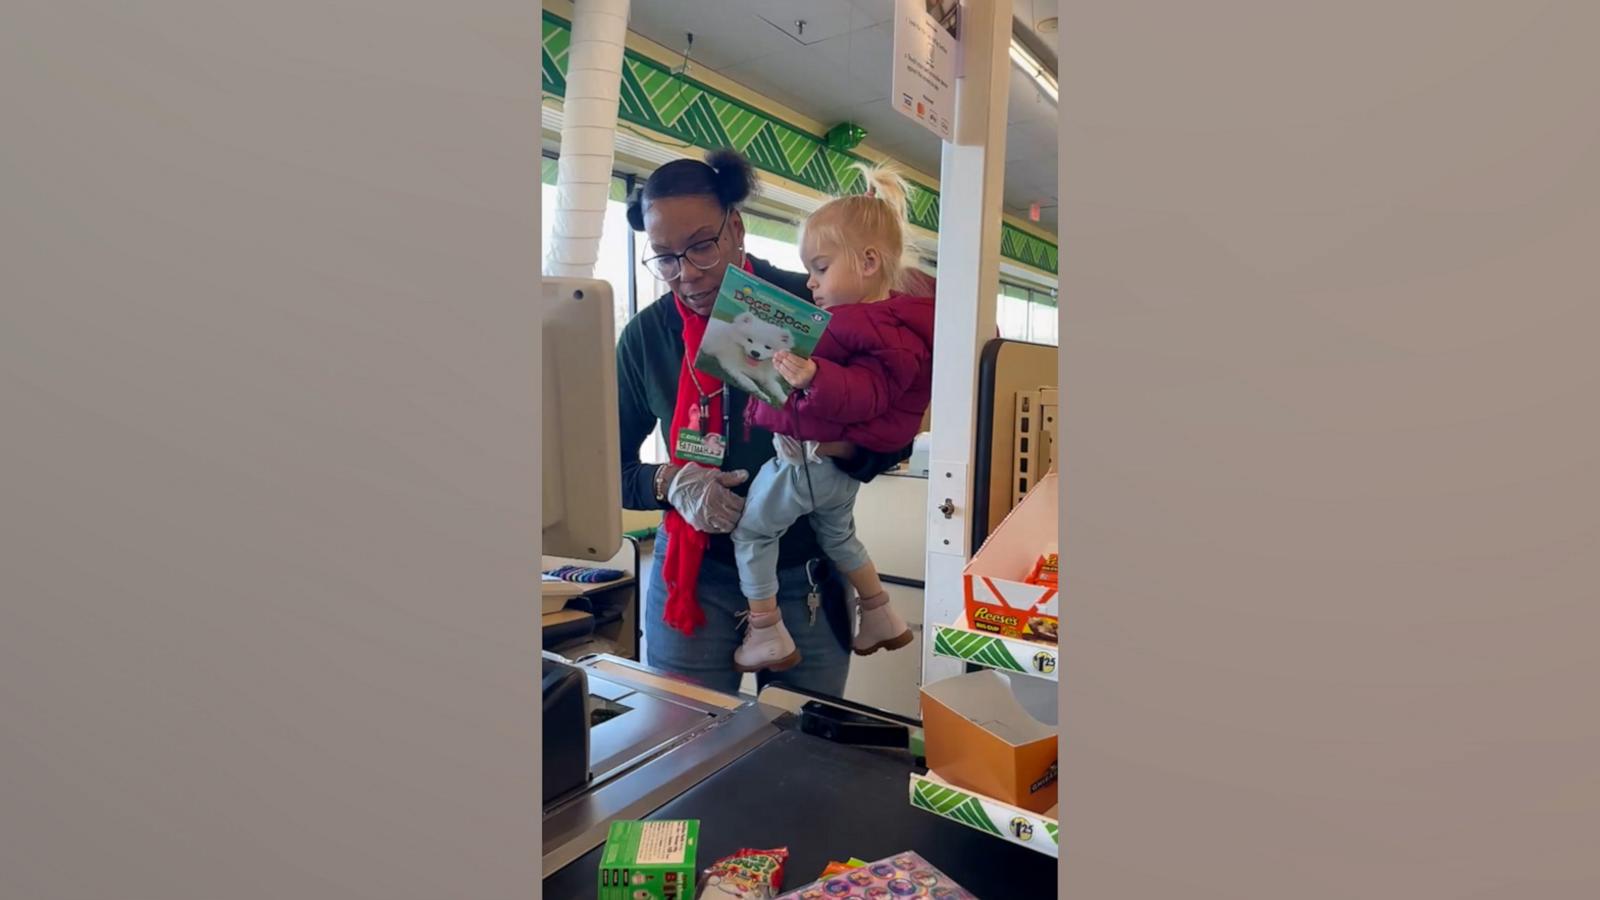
(705, 403)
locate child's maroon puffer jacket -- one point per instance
(874, 378)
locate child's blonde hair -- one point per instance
(850, 224)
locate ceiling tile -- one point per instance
(1029, 185)
(1034, 139)
(869, 55)
(890, 132)
(725, 32)
(799, 77)
(1019, 194)
(1043, 189)
(1027, 99)
(1037, 177)
(857, 62)
(1027, 103)
(1031, 12)
(876, 10)
(823, 19)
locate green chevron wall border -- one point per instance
(683, 108)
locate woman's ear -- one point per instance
(736, 230)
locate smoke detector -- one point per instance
(1048, 25)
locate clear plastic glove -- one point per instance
(788, 449)
(795, 452)
(702, 496)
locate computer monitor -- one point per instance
(581, 477)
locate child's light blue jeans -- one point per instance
(781, 493)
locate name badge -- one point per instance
(701, 448)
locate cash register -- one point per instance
(620, 740)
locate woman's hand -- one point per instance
(703, 497)
(797, 370)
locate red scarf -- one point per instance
(686, 545)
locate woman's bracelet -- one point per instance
(661, 482)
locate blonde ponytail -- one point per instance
(876, 219)
(884, 182)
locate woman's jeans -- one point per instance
(707, 655)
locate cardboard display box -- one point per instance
(652, 860)
(978, 737)
(999, 600)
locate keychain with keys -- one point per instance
(814, 598)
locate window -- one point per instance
(1027, 314)
(1043, 323)
(650, 287)
(774, 240)
(1012, 316)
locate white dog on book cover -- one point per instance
(744, 349)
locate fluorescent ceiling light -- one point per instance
(1033, 69)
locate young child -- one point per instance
(868, 382)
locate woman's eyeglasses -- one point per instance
(706, 254)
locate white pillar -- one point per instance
(969, 283)
(588, 135)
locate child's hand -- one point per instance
(797, 370)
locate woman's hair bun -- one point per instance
(636, 209)
(735, 177)
(725, 176)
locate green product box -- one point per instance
(649, 860)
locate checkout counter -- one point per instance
(825, 778)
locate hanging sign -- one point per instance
(923, 87)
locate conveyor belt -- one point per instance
(828, 801)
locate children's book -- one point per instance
(751, 322)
